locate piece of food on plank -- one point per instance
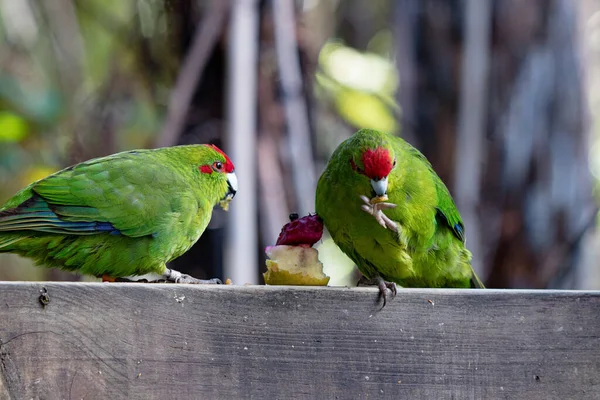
(293, 261)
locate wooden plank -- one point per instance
(160, 341)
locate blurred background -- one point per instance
(502, 96)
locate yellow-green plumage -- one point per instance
(428, 250)
(121, 215)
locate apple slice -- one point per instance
(294, 265)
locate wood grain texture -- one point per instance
(161, 341)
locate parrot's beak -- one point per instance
(232, 185)
(380, 186)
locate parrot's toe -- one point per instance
(376, 210)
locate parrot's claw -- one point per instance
(376, 210)
(383, 286)
(178, 277)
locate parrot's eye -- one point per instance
(218, 166)
(394, 164)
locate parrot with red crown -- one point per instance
(387, 209)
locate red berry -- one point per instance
(302, 231)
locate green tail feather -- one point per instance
(6, 242)
(476, 282)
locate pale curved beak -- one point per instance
(232, 185)
(380, 186)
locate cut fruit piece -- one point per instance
(294, 265)
(379, 199)
(225, 204)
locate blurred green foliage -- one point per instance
(360, 85)
(13, 128)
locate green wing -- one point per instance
(447, 213)
(112, 194)
(446, 210)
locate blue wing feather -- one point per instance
(36, 215)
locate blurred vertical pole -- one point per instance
(404, 20)
(296, 111)
(241, 263)
(588, 273)
(472, 121)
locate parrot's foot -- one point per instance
(151, 277)
(376, 210)
(383, 286)
(170, 275)
(177, 277)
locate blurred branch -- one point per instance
(472, 120)
(273, 206)
(95, 133)
(273, 186)
(242, 245)
(64, 27)
(299, 140)
(205, 38)
(19, 23)
(561, 261)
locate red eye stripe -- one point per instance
(228, 165)
(378, 162)
(206, 169)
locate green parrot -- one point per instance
(122, 216)
(388, 211)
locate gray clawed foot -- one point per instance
(170, 275)
(178, 277)
(383, 290)
(383, 286)
(190, 279)
(376, 210)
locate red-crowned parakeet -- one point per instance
(387, 209)
(120, 216)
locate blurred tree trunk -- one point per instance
(535, 203)
(203, 123)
